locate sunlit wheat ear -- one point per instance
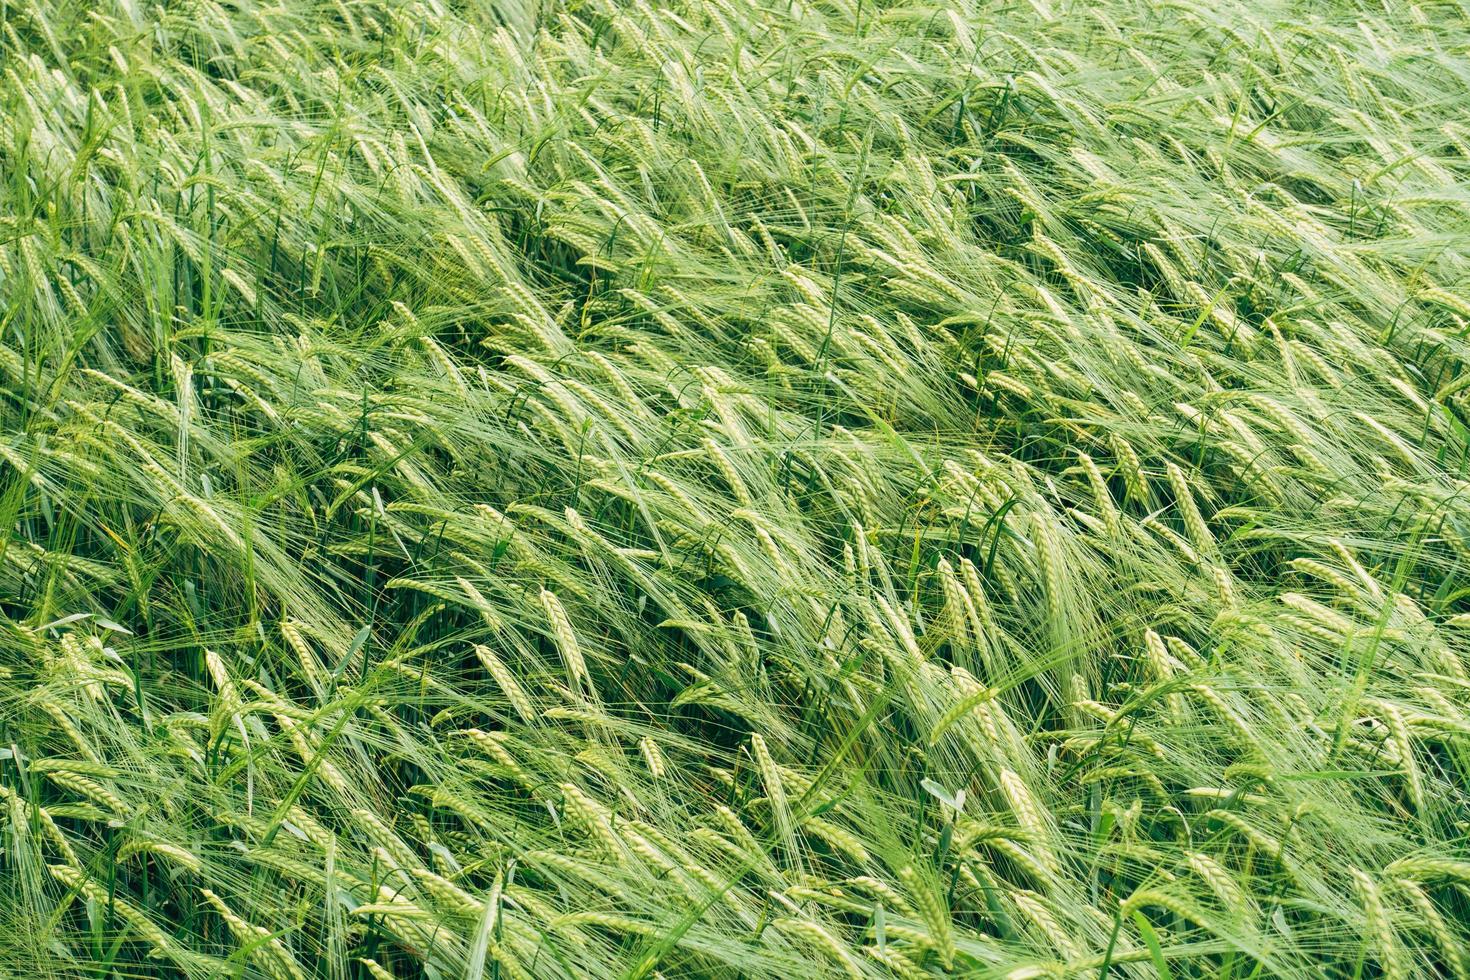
(1030, 816)
(566, 641)
(135, 918)
(267, 951)
(507, 682)
(1449, 946)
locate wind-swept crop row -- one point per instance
(729, 489)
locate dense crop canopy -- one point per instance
(734, 488)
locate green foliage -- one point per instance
(728, 489)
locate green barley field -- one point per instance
(747, 489)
